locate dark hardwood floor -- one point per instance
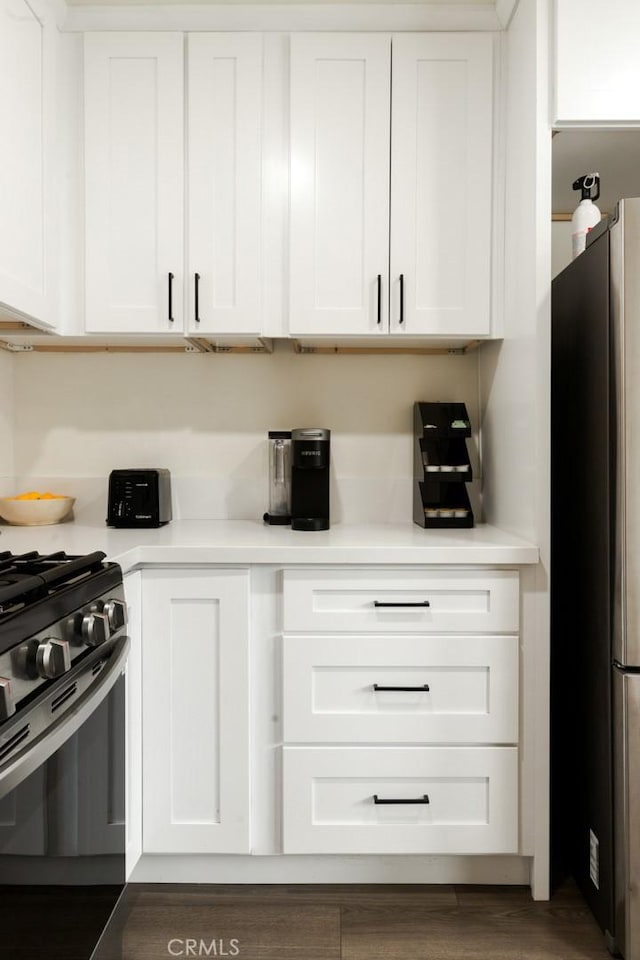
(334, 922)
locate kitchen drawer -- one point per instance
(329, 695)
(329, 805)
(423, 600)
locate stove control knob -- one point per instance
(95, 629)
(52, 658)
(116, 611)
(7, 706)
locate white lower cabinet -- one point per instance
(400, 704)
(400, 689)
(400, 800)
(196, 711)
(376, 729)
(396, 600)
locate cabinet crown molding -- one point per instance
(283, 17)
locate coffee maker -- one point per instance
(310, 454)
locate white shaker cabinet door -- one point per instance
(22, 267)
(339, 227)
(441, 184)
(134, 182)
(436, 799)
(195, 695)
(224, 135)
(597, 70)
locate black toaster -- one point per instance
(139, 498)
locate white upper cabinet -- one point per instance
(441, 184)
(134, 149)
(597, 70)
(339, 249)
(391, 184)
(140, 276)
(224, 123)
(404, 248)
(23, 93)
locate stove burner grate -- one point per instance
(27, 577)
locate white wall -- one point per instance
(206, 417)
(515, 397)
(514, 373)
(6, 416)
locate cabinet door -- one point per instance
(440, 800)
(597, 67)
(401, 600)
(134, 144)
(394, 689)
(339, 183)
(195, 711)
(22, 269)
(441, 184)
(224, 114)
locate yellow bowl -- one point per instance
(35, 513)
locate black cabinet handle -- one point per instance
(401, 298)
(391, 603)
(423, 688)
(379, 299)
(197, 296)
(170, 307)
(423, 799)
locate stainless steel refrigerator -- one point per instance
(595, 576)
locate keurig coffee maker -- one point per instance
(310, 449)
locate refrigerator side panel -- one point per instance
(582, 767)
(626, 694)
(625, 329)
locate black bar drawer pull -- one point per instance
(197, 297)
(414, 603)
(379, 321)
(423, 688)
(423, 799)
(170, 304)
(401, 320)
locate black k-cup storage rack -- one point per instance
(441, 465)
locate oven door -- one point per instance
(62, 825)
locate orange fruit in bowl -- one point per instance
(34, 495)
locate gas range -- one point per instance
(61, 618)
(63, 650)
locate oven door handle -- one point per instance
(36, 753)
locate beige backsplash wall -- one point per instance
(77, 416)
(6, 415)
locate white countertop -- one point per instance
(246, 541)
